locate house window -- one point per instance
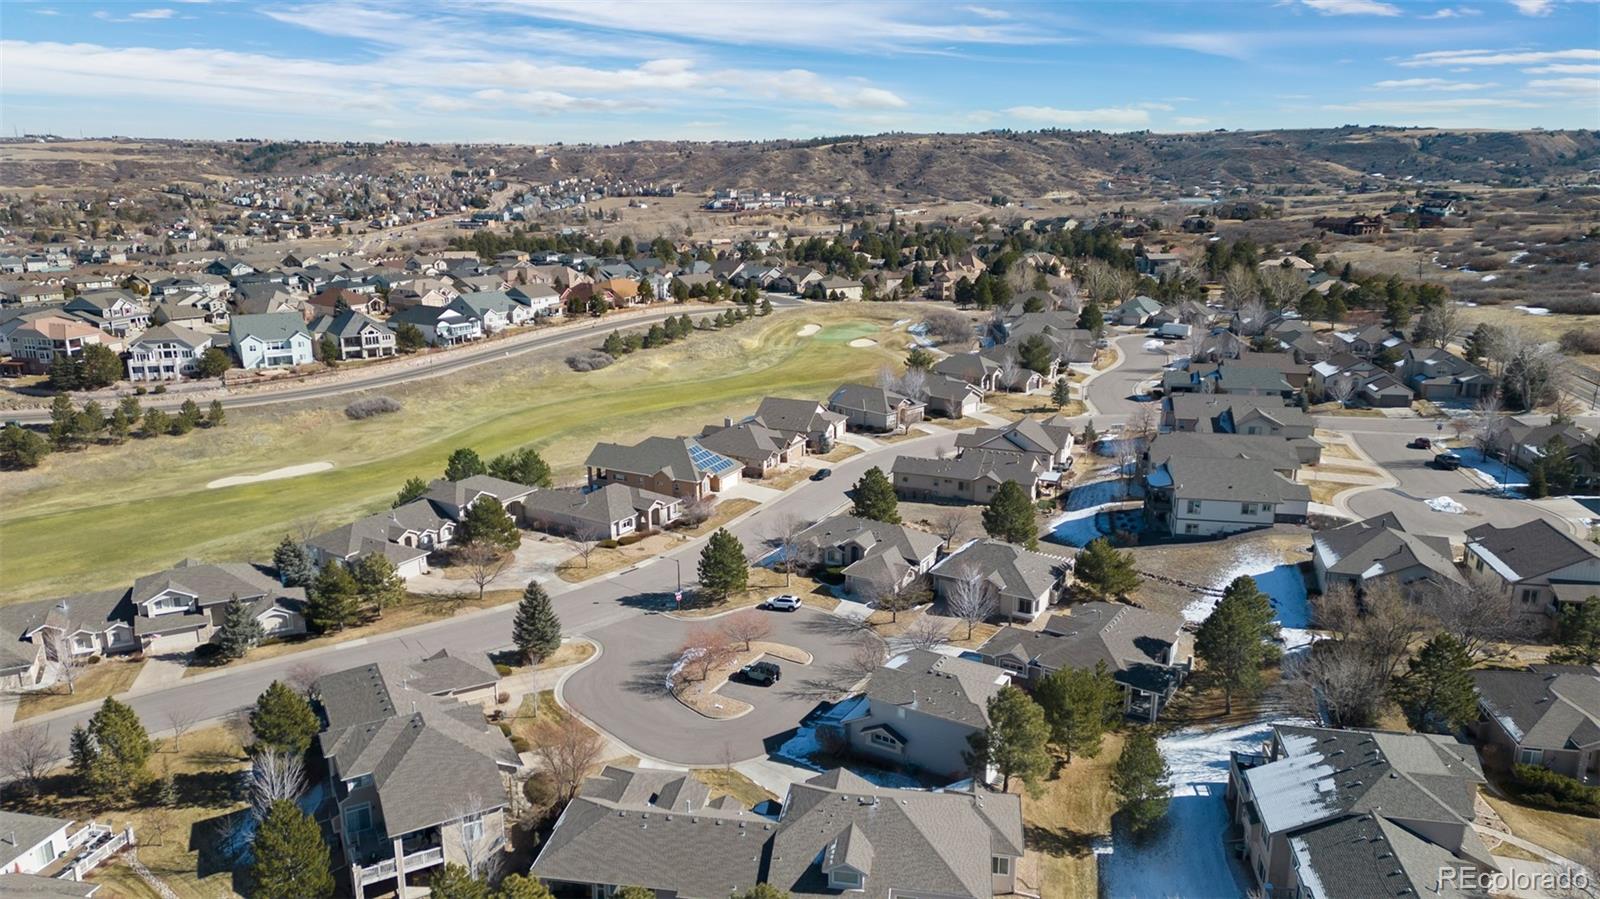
(1247, 508)
(1194, 507)
(1191, 529)
(1529, 594)
(882, 739)
(845, 879)
(472, 828)
(999, 864)
(358, 819)
(1530, 756)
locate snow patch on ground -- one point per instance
(1517, 257)
(1091, 513)
(808, 330)
(1532, 310)
(277, 474)
(1491, 471)
(1446, 505)
(1489, 278)
(1280, 580)
(800, 748)
(862, 343)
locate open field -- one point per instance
(145, 505)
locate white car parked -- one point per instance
(784, 603)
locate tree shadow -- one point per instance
(221, 844)
(649, 676)
(208, 789)
(1058, 842)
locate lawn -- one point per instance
(95, 682)
(1573, 836)
(145, 505)
(1061, 826)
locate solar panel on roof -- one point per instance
(708, 461)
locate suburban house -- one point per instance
(1546, 715)
(182, 607)
(833, 834)
(1437, 374)
(976, 369)
(836, 288)
(1368, 341)
(804, 418)
(918, 709)
(116, 312)
(358, 335)
(1022, 583)
(418, 776)
(1536, 565)
(495, 310)
(334, 300)
(440, 325)
(972, 477)
(87, 624)
(1355, 813)
(541, 300)
(674, 466)
(166, 353)
(1236, 415)
(454, 498)
(1050, 441)
(1134, 312)
(41, 341)
(879, 409)
(1211, 497)
(270, 340)
(759, 448)
(405, 535)
(1380, 549)
(1524, 444)
(612, 511)
(1279, 452)
(874, 557)
(1147, 653)
(951, 397)
(23, 665)
(48, 857)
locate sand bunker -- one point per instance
(293, 471)
(863, 342)
(809, 330)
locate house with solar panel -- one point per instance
(671, 466)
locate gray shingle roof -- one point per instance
(943, 686)
(1132, 642)
(974, 466)
(1545, 707)
(871, 399)
(1532, 549)
(1013, 570)
(1232, 480)
(611, 503)
(1381, 545)
(19, 833)
(1279, 452)
(746, 441)
(1027, 435)
(794, 416)
(266, 326)
(680, 458)
(888, 551)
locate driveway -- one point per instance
(623, 691)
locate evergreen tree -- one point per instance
(1437, 692)
(919, 359)
(1035, 353)
(1577, 636)
(1079, 705)
(1091, 319)
(1061, 393)
(283, 720)
(486, 521)
(614, 345)
(240, 631)
(120, 426)
(1090, 435)
(332, 606)
(21, 448)
(524, 466)
(1104, 572)
(723, 570)
(411, 491)
(214, 362)
(463, 463)
(216, 416)
(1233, 641)
(116, 750)
(291, 860)
(378, 585)
(763, 891)
(1014, 743)
(1140, 779)
(766, 306)
(156, 423)
(633, 892)
(517, 886)
(101, 367)
(453, 881)
(91, 420)
(328, 350)
(535, 629)
(874, 497)
(1009, 516)
(65, 425)
(293, 564)
(408, 338)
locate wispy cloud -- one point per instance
(1112, 118)
(1534, 7)
(1432, 84)
(1454, 12)
(1191, 121)
(1352, 7)
(1428, 106)
(1464, 58)
(1566, 69)
(1579, 86)
(152, 14)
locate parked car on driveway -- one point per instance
(1420, 443)
(1446, 462)
(763, 674)
(784, 603)
(822, 474)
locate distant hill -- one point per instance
(896, 167)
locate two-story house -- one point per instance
(116, 312)
(1199, 497)
(270, 340)
(358, 335)
(166, 353)
(1537, 566)
(440, 325)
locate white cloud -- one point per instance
(1452, 104)
(152, 14)
(1534, 7)
(986, 12)
(1191, 121)
(1579, 86)
(1111, 118)
(1432, 84)
(1455, 12)
(1566, 69)
(1353, 7)
(1496, 57)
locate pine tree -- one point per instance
(1061, 393)
(91, 420)
(535, 630)
(1090, 435)
(291, 860)
(874, 497)
(614, 345)
(1091, 319)
(411, 491)
(486, 521)
(1079, 704)
(453, 881)
(283, 720)
(156, 423)
(377, 583)
(189, 415)
(21, 448)
(517, 886)
(1140, 779)
(119, 748)
(1437, 692)
(1577, 636)
(293, 564)
(65, 426)
(1009, 516)
(333, 599)
(524, 466)
(1014, 743)
(919, 358)
(723, 570)
(216, 416)
(463, 463)
(1233, 641)
(1104, 572)
(120, 426)
(240, 631)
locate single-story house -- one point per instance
(761, 449)
(1380, 548)
(806, 418)
(874, 557)
(1546, 715)
(919, 710)
(973, 477)
(1536, 565)
(870, 408)
(1021, 583)
(614, 510)
(673, 466)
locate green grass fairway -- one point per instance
(104, 516)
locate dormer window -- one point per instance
(845, 879)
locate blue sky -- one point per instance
(541, 71)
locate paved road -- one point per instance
(389, 374)
(1112, 394)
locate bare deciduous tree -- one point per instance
(1341, 388)
(180, 721)
(968, 597)
(275, 776)
(58, 649)
(484, 563)
(948, 522)
(1280, 285)
(26, 755)
(795, 554)
(926, 633)
(746, 627)
(304, 675)
(480, 849)
(585, 539)
(1477, 614)
(1486, 417)
(1240, 287)
(1105, 283)
(1348, 674)
(703, 649)
(567, 750)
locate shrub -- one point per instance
(1557, 792)
(502, 669)
(140, 391)
(502, 697)
(519, 743)
(949, 327)
(696, 512)
(1581, 341)
(1574, 305)
(366, 407)
(589, 360)
(160, 388)
(540, 790)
